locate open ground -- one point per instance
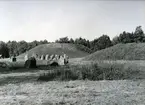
(20, 87)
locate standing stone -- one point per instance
(57, 57)
(64, 56)
(51, 57)
(26, 57)
(42, 57)
(47, 57)
(30, 63)
(65, 59)
(61, 60)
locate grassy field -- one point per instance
(121, 92)
(21, 86)
(130, 51)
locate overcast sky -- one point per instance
(39, 20)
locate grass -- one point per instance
(96, 71)
(121, 92)
(57, 48)
(130, 51)
(24, 89)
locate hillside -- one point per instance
(57, 48)
(130, 51)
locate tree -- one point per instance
(4, 50)
(101, 43)
(63, 40)
(71, 41)
(82, 41)
(43, 42)
(22, 47)
(13, 47)
(126, 37)
(139, 35)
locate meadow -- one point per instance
(81, 82)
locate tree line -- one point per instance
(104, 41)
(15, 48)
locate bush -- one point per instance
(61, 73)
(79, 72)
(95, 71)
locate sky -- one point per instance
(53, 19)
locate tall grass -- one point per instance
(94, 71)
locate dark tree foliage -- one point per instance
(63, 40)
(71, 41)
(126, 37)
(82, 41)
(43, 42)
(22, 47)
(78, 42)
(101, 43)
(4, 50)
(138, 36)
(13, 47)
(16, 48)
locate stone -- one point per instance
(30, 63)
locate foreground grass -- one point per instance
(121, 92)
(22, 88)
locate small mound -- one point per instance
(130, 51)
(57, 48)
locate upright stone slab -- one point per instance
(56, 56)
(51, 57)
(61, 60)
(30, 63)
(66, 59)
(26, 57)
(42, 57)
(47, 57)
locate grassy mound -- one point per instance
(57, 48)
(131, 51)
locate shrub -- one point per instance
(95, 71)
(78, 72)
